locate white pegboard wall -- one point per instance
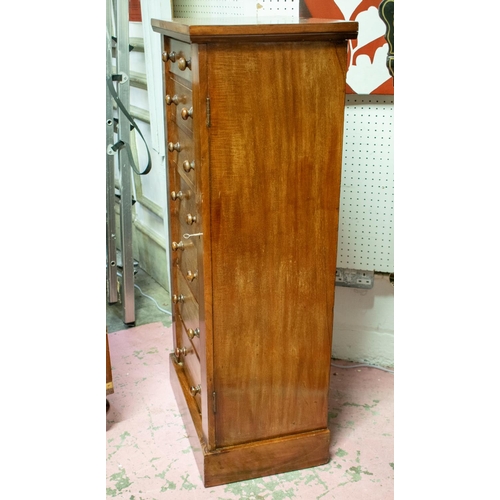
(228, 8)
(366, 219)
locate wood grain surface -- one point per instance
(275, 162)
(265, 137)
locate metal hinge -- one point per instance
(208, 111)
(214, 404)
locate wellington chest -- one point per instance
(254, 116)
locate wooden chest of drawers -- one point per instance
(254, 116)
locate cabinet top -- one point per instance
(255, 29)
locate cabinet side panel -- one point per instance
(277, 113)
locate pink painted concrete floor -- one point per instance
(148, 455)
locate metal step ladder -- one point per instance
(117, 42)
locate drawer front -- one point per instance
(183, 198)
(192, 366)
(181, 152)
(189, 312)
(185, 251)
(179, 105)
(179, 246)
(189, 219)
(182, 59)
(190, 223)
(188, 267)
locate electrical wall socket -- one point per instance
(354, 278)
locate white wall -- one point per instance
(363, 326)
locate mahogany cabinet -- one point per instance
(254, 116)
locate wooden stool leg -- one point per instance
(109, 377)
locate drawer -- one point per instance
(189, 217)
(179, 104)
(183, 199)
(188, 267)
(189, 312)
(188, 259)
(179, 246)
(181, 53)
(181, 151)
(192, 367)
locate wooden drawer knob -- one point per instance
(177, 246)
(191, 219)
(186, 113)
(172, 100)
(187, 166)
(178, 298)
(183, 64)
(195, 390)
(190, 276)
(174, 147)
(179, 195)
(168, 56)
(193, 333)
(182, 351)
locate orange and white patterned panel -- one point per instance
(368, 71)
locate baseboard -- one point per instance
(148, 249)
(151, 254)
(363, 345)
(363, 326)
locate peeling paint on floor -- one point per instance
(149, 457)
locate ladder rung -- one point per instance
(137, 80)
(137, 113)
(137, 43)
